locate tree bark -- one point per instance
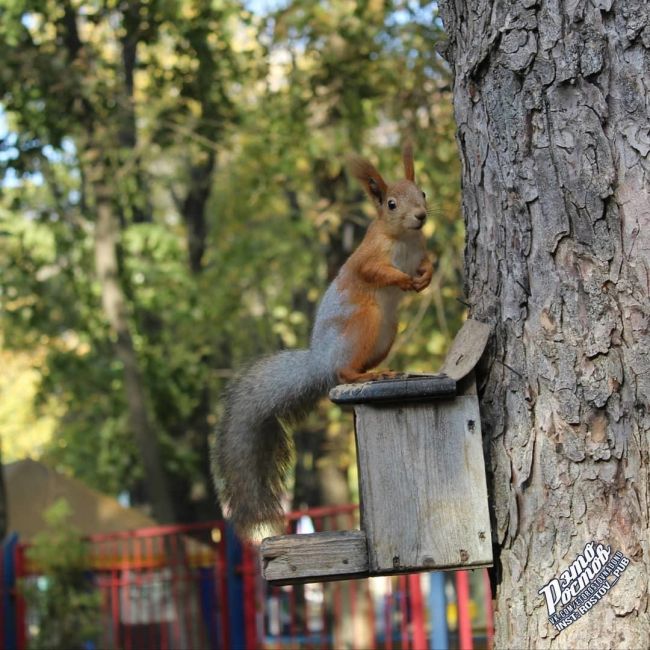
(552, 103)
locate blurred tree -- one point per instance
(70, 87)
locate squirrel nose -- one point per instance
(421, 216)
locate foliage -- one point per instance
(62, 599)
(223, 132)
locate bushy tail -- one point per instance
(253, 449)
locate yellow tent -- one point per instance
(33, 487)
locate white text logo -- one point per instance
(587, 579)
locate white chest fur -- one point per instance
(406, 256)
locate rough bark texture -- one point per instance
(552, 102)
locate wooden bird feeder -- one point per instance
(422, 482)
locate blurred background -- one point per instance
(173, 202)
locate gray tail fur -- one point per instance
(253, 450)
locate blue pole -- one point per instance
(10, 641)
(235, 591)
(438, 612)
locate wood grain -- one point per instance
(466, 349)
(290, 559)
(422, 484)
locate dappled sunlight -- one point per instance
(25, 430)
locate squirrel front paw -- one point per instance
(423, 277)
(420, 283)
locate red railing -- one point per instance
(384, 613)
(163, 587)
(191, 586)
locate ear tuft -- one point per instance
(409, 168)
(366, 173)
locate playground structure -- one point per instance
(196, 586)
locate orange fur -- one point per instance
(424, 274)
(371, 269)
(371, 261)
(369, 177)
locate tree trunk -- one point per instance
(194, 210)
(138, 197)
(197, 426)
(114, 305)
(551, 102)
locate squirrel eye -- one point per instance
(391, 204)
(424, 195)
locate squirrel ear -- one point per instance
(409, 169)
(369, 177)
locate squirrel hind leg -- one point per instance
(372, 347)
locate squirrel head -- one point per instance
(401, 206)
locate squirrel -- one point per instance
(354, 329)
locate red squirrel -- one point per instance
(355, 326)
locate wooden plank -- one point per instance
(290, 559)
(401, 389)
(466, 350)
(422, 484)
